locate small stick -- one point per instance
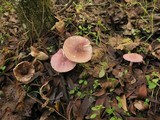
(50, 108)
(64, 88)
(67, 6)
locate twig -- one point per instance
(50, 108)
(63, 9)
(64, 88)
(99, 4)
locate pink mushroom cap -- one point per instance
(77, 49)
(133, 57)
(60, 63)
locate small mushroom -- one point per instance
(38, 54)
(60, 63)
(77, 49)
(133, 58)
(60, 26)
(24, 71)
(140, 105)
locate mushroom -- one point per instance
(24, 71)
(39, 67)
(60, 26)
(38, 54)
(60, 63)
(133, 58)
(77, 49)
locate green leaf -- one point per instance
(115, 118)
(96, 84)
(81, 81)
(151, 85)
(71, 91)
(119, 101)
(112, 118)
(101, 73)
(85, 82)
(110, 111)
(93, 116)
(125, 72)
(146, 101)
(104, 64)
(118, 98)
(147, 77)
(158, 39)
(155, 80)
(80, 27)
(120, 105)
(79, 93)
(94, 108)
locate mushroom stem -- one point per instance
(130, 67)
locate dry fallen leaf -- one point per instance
(109, 83)
(155, 48)
(43, 95)
(87, 102)
(13, 19)
(15, 103)
(136, 118)
(93, 70)
(142, 91)
(96, 113)
(104, 85)
(45, 115)
(2, 59)
(120, 43)
(73, 107)
(124, 103)
(127, 28)
(132, 109)
(39, 67)
(100, 92)
(98, 53)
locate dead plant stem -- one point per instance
(64, 87)
(50, 108)
(67, 6)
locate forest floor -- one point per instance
(106, 87)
